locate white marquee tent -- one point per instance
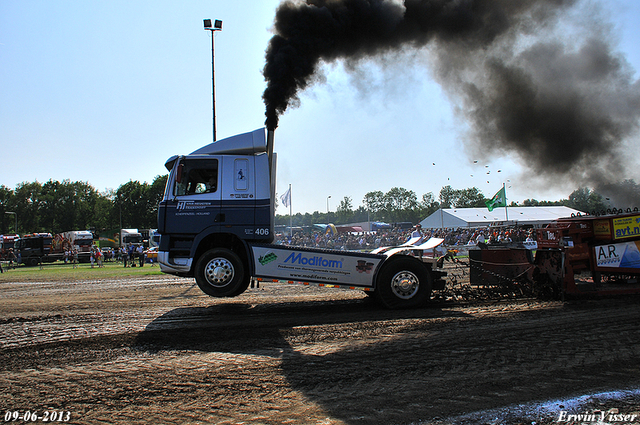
(482, 217)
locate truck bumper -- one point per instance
(179, 266)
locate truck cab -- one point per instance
(219, 196)
(34, 248)
(216, 224)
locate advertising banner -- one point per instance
(287, 263)
(624, 255)
(602, 228)
(626, 227)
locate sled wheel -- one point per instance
(403, 283)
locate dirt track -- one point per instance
(159, 351)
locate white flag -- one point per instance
(286, 198)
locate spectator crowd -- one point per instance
(392, 237)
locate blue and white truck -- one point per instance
(216, 222)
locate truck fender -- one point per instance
(211, 237)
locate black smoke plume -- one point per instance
(565, 104)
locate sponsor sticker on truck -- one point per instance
(320, 267)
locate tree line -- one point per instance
(402, 205)
(56, 207)
(61, 206)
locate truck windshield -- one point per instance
(134, 239)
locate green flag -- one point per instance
(498, 200)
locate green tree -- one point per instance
(400, 204)
(155, 193)
(132, 201)
(344, 211)
(469, 198)
(106, 212)
(28, 207)
(7, 203)
(428, 205)
(67, 206)
(361, 214)
(447, 197)
(586, 200)
(374, 202)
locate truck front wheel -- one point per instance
(403, 283)
(220, 273)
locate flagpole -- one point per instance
(290, 216)
(506, 214)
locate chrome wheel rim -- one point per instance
(405, 285)
(219, 272)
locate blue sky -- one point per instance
(105, 92)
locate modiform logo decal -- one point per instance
(314, 260)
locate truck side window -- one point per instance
(198, 178)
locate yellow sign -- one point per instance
(626, 227)
(602, 228)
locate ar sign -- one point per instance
(620, 255)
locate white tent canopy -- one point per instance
(482, 217)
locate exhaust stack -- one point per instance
(270, 136)
(272, 176)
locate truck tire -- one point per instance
(403, 283)
(220, 273)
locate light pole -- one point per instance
(217, 26)
(328, 203)
(15, 215)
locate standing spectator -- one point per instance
(124, 255)
(417, 233)
(140, 252)
(131, 252)
(99, 257)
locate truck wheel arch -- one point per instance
(207, 241)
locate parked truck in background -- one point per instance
(216, 222)
(154, 238)
(35, 248)
(150, 238)
(7, 243)
(130, 236)
(79, 240)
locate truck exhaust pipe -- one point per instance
(270, 139)
(272, 175)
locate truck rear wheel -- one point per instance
(403, 283)
(220, 273)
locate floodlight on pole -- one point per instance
(217, 26)
(16, 220)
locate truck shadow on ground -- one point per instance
(366, 365)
